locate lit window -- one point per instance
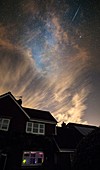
(32, 158)
(35, 128)
(4, 124)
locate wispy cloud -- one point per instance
(46, 68)
(76, 109)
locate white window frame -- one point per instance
(3, 155)
(35, 128)
(2, 124)
(32, 158)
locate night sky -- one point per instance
(50, 55)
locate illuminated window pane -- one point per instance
(32, 158)
(32, 161)
(24, 161)
(33, 155)
(26, 154)
(39, 160)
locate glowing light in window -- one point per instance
(33, 158)
(24, 161)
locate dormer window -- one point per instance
(35, 128)
(4, 124)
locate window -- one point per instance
(35, 128)
(4, 124)
(32, 158)
(3, 159)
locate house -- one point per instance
(30, 139)
(67, 139)
(25, 135)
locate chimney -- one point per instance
(19, 102)
(63, 125)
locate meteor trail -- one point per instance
(76, 13)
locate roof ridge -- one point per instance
(8, 93)
(36, 109)
(39, 113)
(83, 125)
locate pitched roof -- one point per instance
(69, 136)
(66, 138)
(34, 114)
(40, 115)
(7, 97)
(83, 129)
